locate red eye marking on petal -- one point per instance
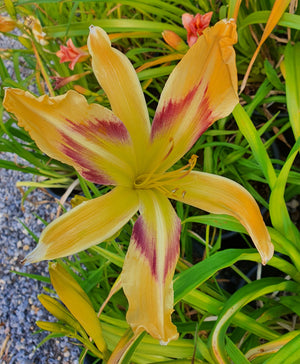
(165, 117)
(173, 251)
(146, 242)
(82, 161)
(98, 129)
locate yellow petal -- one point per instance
(86, 225)
(88, 137)
(149, 267)
(77, 302)
(220, 195)
(201, 89)
(118, 79)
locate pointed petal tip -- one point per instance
(267, 254)
(36, 255)
(98, 35)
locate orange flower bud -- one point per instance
(62, 81)
(7, 24)
(173, 40)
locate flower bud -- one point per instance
(173, 40)
(7, 24)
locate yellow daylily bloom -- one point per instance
(121, 148)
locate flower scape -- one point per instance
(122, 148)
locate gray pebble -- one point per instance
(19, 306)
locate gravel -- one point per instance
(19, 306)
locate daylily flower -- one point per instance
(195, 25)
(72, 54)
(122, 149)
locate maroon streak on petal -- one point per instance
(164, 118)
(146, 242)
(178, 124)
(97, 129)
(203, 120)
(81, 157)
(183, 121)
(172, 253)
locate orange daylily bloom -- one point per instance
(7, 24)
(122, 149)
(195, 25)
(72, 54)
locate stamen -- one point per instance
(149, 181)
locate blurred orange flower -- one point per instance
(195, 25)
(72, 54)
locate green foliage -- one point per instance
(256, 321)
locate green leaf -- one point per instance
(262, 352)
(289, 353)
(235, 354)
(292, 77)
(250, 133)
(278, 210)
(239, 299)
(292, 302)
(112, 25)
(9, 5)
(272, 76)
(205, 304)
(259, 97)
(190, 279)
(257, 17)
(36, 277)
